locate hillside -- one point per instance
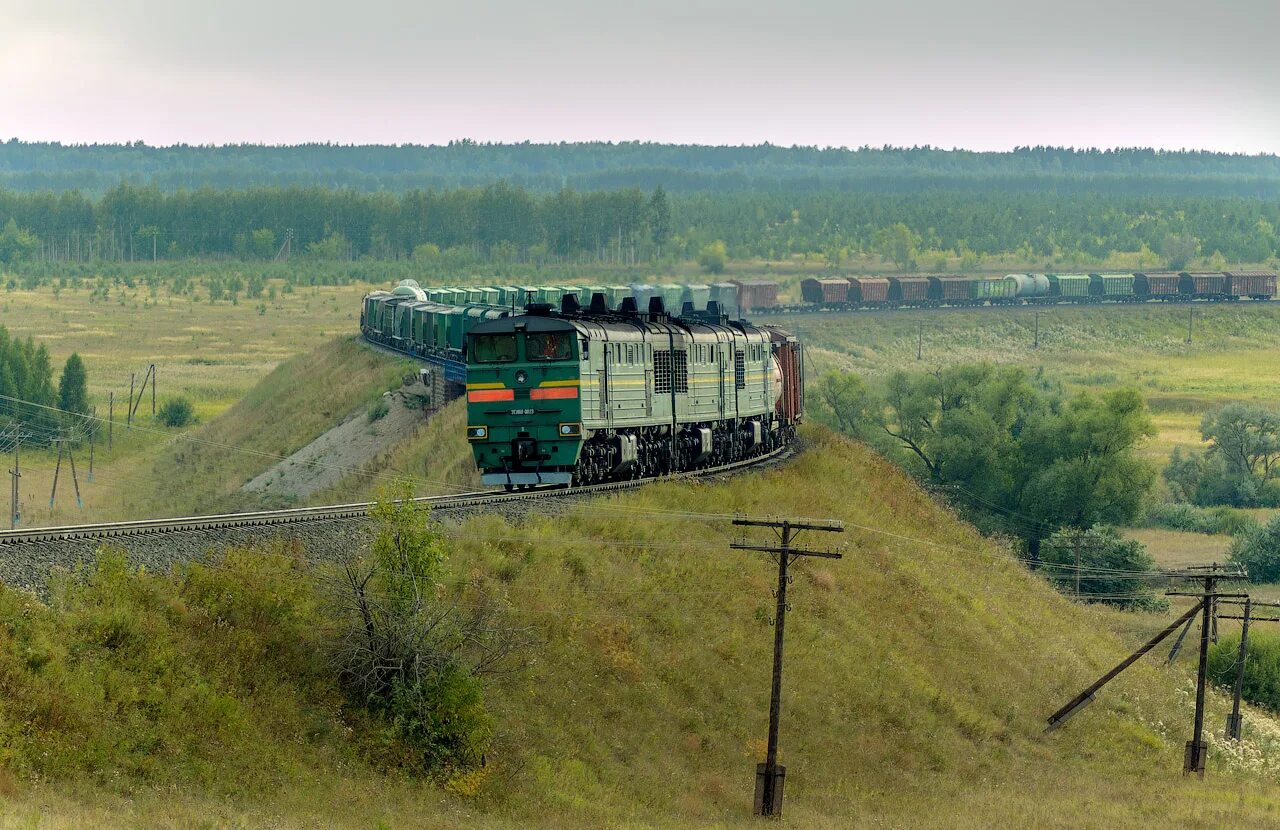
(920, 669)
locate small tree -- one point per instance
(1258, 551)
(414, 651)
(898, 244)
(16, 244)
(713, 257)
(73, 394)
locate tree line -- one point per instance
(37, 166)
(30, 404)
(502, 222)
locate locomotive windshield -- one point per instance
(494, 348)
(550, 345)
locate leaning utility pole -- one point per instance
(1196, 750)
(770, 775)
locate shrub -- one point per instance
(713, 257)
(1192, 519)
(1258, 551)
(1102, 552)
(378, 410)
(1261, 667)
(176, 412)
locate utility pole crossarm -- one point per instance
(778, 524)
(825, 554)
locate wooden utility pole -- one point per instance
(770, 775)
(1235, 720)
(920, 340)
(111, 417)
(71, 456)
(128, 411)
(15, 474)
(153, 390)
(1191, 318)
(1036, 345)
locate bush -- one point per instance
(378, 410)
(1258, 551)
(176, 412)
(713, 257)
(1102, 552)
(1192, 519)
(1261, 667)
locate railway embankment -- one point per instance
(919, 671)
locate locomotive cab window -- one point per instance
(549, 345)
(495, 348)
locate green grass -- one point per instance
(920, 669)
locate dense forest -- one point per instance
(95, 169)
(504, 223)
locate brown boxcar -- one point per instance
(870, 290)
(908, 289)
(949, 289)
(1260, 285)
(755, 294)
(787, 351)
(1156, 284)
(1203, 284)
(825, 291)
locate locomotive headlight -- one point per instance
(522, 376)
(570, 430)
(477, 433)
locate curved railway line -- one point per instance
(103, 531)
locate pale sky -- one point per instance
(980, 74)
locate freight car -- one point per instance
(1256, 285)
(578, 396)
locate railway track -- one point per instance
(269, 519)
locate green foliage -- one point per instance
(332, 247)
(176, 412)
(73, 393)
(898, 244)
(1258, 550)
(207, 677)
(17, 244)
(1192, 519)
(1019, 455)
(263, 243)
(844, 401)
(411, 653)
(1103, 555)
(713, 257)
(1178, 249)
(378, 410)
(26, 374)
(1261, 685)
(1242, 465)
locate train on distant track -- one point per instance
(856, 293)
(581, 393)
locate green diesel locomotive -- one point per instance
(577, 396)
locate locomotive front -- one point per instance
(524, 410)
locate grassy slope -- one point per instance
(291, 406)
(920, 669)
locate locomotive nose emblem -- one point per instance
(522, 376)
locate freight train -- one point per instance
(1017, 289)
(578, 394)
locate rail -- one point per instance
(358, 510)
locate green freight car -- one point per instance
(1118, 287)
(993, 289)
(1074, 287)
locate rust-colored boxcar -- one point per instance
(871, 290)
(1203, 284)
(950, 289)
(825, 291)
(787, 350)
(1156, 284)
(756, 294)
(908, 290)
(1260, 285)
